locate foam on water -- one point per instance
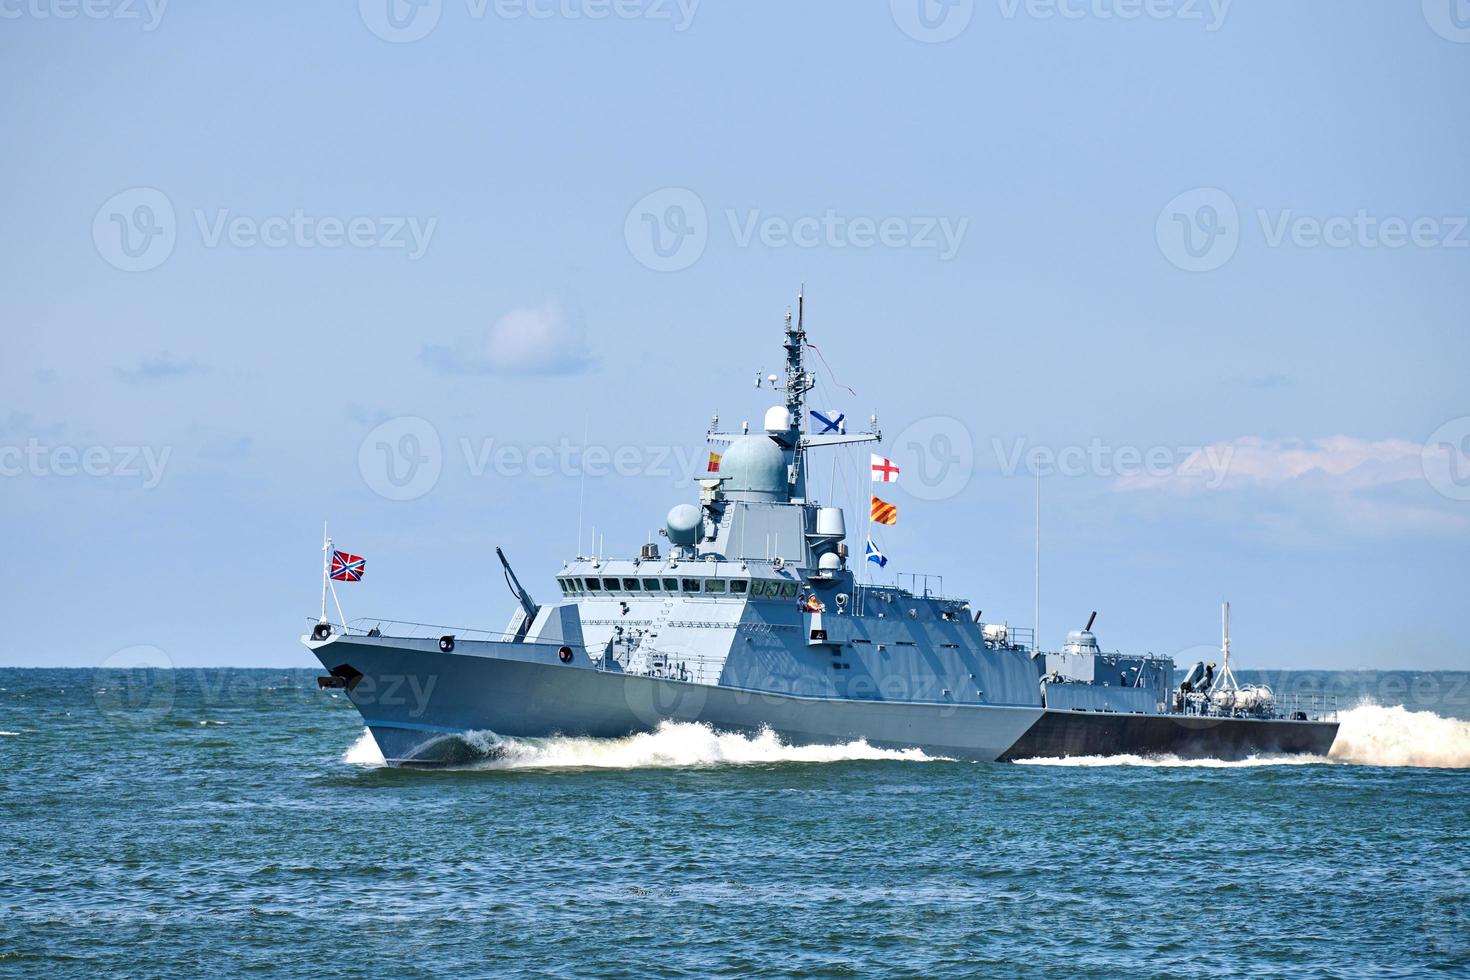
(672, 745)
(364, 752)
(1174, 761)
(1374, 735)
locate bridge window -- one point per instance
(593, 585)
(716, 585)
(671, 585)
(690, 584)
(737, 586)
(758, 587)
(630, 584)
(788, 589)
(650, 585)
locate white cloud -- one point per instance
(535, 340)
(1345, 462)
(1383, 486)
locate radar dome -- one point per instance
(683, 524)
(754, 464)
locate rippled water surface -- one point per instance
(192, 822)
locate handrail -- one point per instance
(416, 631)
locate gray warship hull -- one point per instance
(426, 708)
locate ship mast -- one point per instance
(798, 383)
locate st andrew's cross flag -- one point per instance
(347, 568)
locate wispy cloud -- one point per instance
(24, 424)
(536, 340)
(161, 368)
(1359, 485)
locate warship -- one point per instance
(751, 613)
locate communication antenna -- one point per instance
(1036, 619)
(1226, 680)
(582, 490)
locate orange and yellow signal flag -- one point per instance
(884, 512)
(714, 463)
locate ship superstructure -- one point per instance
(748, 614)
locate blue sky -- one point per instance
(1211, 259)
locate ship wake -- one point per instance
(1370, 735)
(672, 745)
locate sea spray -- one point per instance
(671, 745)
(1374, 735)
(364, 752)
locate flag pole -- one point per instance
(340, 615)
(326, 562)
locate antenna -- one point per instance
(1036, 621)
(1225, 634)
(582, 490)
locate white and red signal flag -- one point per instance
(883, 470)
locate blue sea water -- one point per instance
(183, 823)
